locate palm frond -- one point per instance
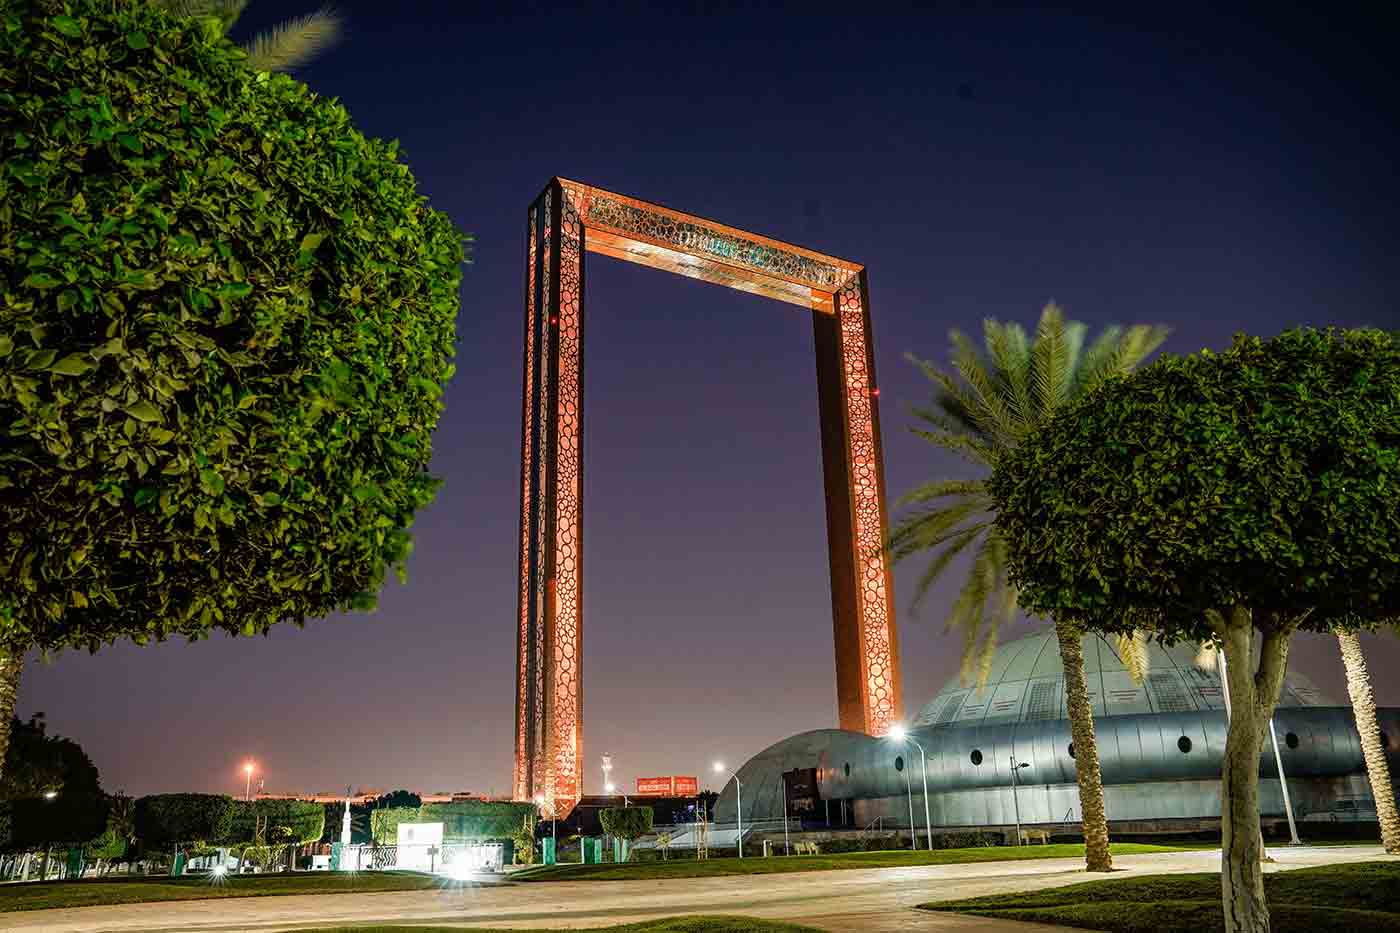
(969, 612)
(226, 11)
(958, 403)
(992, 409)
(923, 530)
(1010, 355)
(942, 489)
(967, 447)
(956, 542)
(1049, 361)
(1132, 650)
(291, 44)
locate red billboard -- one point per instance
(654, 787)
(673, 786)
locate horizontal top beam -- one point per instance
(686, 244)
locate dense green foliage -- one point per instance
(66, 819)
(384, 823)
(1331, 899)
(630, 823)
(1265, 476)
(225, 320)
(398, 798)
(475, 820)
(275, 822)
(37, 763)
(164, 820)
(994, 397)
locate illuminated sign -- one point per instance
(674, 786)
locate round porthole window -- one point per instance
(1071, 749)
(848, 769)
(1184, 744)
(1291, 740)
(977, 756)
(899, 763)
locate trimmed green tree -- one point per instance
(226, 317)
(475, 820)
(999, 394)
(177, 821)
(37, 763)
(1229, 498)
(384, 823)
(626, 823)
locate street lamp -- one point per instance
(738, 801)
(248, 781)
(1015, 800)
(900, 734)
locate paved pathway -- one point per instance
(880, 899)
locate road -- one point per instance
(880, 900)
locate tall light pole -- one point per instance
(248, 781)
(1015, 799)
(607, 772)
(900, 734)
(738, 801)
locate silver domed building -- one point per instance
(1160, 750)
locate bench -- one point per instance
(1037, 835)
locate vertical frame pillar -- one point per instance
(549, 695)
(853, 471)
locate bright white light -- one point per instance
(719, 767)
(461, 870)
(898, 732)
(220, 871)
(609, 788)
(50, 794)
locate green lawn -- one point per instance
(42, 895)
(753, 865)
(669, 925)
(1333, 899)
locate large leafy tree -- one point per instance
(1229, 498)
(37, 763)
(997, 396)
(225, 320)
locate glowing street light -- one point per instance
(248, 780)
(900, 734)
(738, 800)
(50, 794)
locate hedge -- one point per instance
(475, 820)
(628, 823)
(164, 820)
(384, 824)
(226, 317)
(305, 821)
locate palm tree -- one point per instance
(284, 47)
(1363, 706)
(999, 395)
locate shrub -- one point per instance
(225, 320)
(384, 824)
(67, 819)
(173, 820)
(283, 821)
(475, 820)
(630, 823)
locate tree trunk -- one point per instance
(1086, 750)
(1363, 706)
(1253, 697)
(11, 666)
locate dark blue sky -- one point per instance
(1207, 171)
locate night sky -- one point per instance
(1213, 173)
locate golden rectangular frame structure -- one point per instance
(566, 221)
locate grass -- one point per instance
(1332, 899)
(690, 868)
(668, 925)
(47, 894)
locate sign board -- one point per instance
(654, 787)
(673, 786)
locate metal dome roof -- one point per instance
(1027, 683)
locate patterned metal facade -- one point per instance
(565, 221)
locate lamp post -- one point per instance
(1015, 800)
(738, 801)
(901, 734)
(248, 781)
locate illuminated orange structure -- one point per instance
(565, 221)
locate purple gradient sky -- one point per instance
(1210, 172)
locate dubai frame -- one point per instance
(567, 220)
